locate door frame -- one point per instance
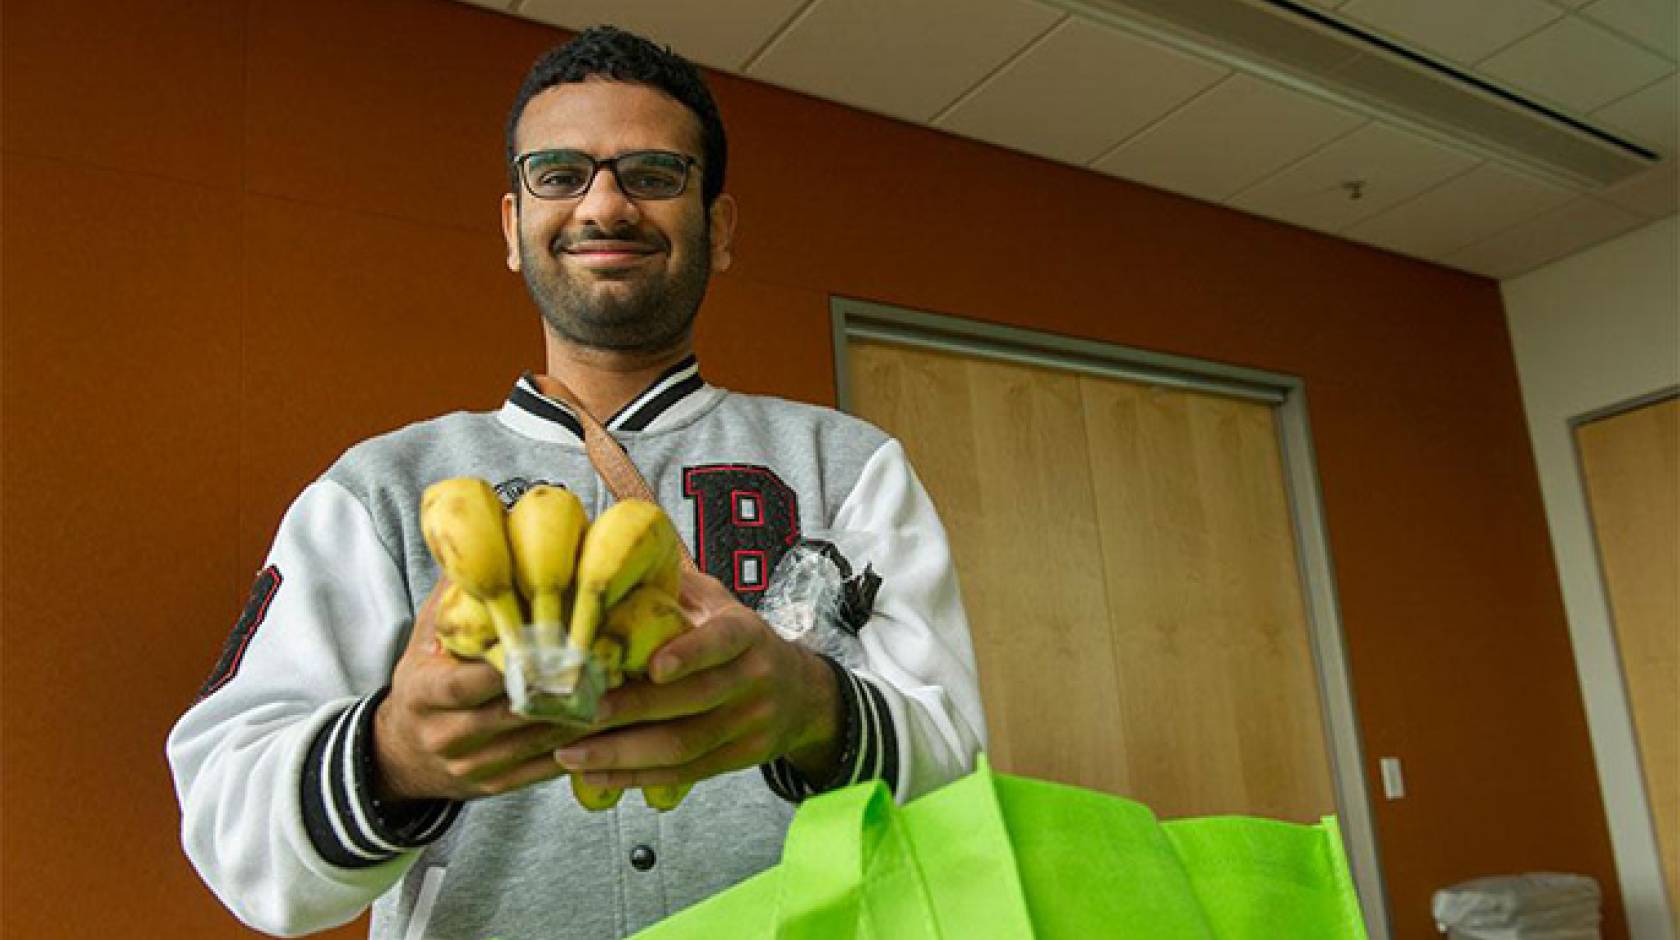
(1615, 739)
(864, 320)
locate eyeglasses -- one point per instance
(641, 174)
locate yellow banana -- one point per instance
(465, 527)
(643, 621)
(544, 528)
(463, 624)
(610, 654)
(633, 541)
(594, 798)
(666, 796)
(626, 585)
(647, 619)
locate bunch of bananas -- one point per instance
(613, 583)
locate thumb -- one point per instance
(701, 596)
(424, 634)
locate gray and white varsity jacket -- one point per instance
(272, 763)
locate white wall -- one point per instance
(1590, 331)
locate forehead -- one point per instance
(606, 117)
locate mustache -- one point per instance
(565, 241)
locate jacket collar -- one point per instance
(663, 403)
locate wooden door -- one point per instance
(1631, 462)
(1128, 562)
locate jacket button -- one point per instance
(642, 858)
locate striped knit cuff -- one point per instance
(868, 743)
(345, 822)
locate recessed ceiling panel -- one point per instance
(1460, 212)
(1650, 22)
(1571, 227)
(1464, 31)
(1650, 115)
(1354, 178)
(907, 60)
(1653, 193)
(1577, 64)
(1080, 91)
(1236, 133)
(693, 29)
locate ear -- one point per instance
(722, 223)
(510, 230)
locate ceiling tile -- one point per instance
(691, 28)
(1460, 212)
(1577, 64)
(1653, 193)
(1080, 91)
(1572, 4)
(1569, 228)
(1651, 22)
(1650, 115)
(907, 60)
(1392, 165)
(1460, 31)
(1191, 151)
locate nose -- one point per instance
(604, 203)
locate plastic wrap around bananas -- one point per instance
(517, 578)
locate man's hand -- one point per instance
(728, 694)
(447, 729)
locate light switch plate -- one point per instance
(1394, 784)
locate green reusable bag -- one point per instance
(998, 857)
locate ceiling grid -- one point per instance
(1492, 137)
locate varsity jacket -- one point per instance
(273, 762)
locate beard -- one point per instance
(654, 314)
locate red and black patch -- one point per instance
(745, 520)
(256, 610)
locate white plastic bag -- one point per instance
(815, 599)
(1534, 906)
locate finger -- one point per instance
(467, 731)
(746, 751)
(671, 743)
(449, 683)
(638, 702)
(710, 644)
(519, 776)
(497, 755)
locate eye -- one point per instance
(557, 172)
(561, 177)
(653, 179)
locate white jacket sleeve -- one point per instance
(912, 710)
(272, 764)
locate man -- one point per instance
(338, 757)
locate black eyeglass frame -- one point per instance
(522, 161)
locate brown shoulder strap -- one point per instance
(610, 460)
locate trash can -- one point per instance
(1534, 906)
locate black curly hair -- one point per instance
(612, 53)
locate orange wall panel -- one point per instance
(144, 88)
(120, 386)
(241, 236)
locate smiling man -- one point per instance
(337, 757)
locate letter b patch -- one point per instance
(745, 519)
